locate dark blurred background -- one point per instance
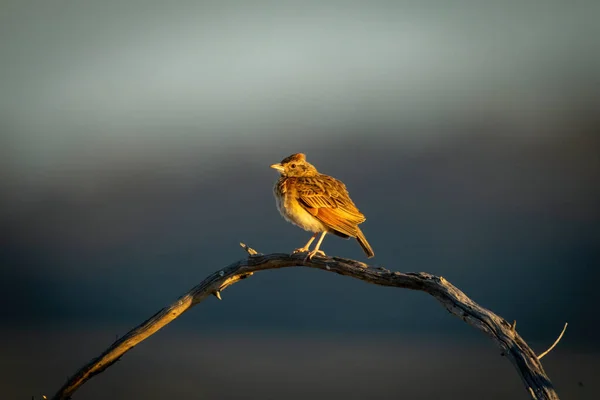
(135, 143)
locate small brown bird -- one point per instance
(316, 202)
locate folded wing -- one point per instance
(327, 199)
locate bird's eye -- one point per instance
(293, 166)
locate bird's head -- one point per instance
(295, 165)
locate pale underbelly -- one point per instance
(294, 213)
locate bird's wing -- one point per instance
(327, 199)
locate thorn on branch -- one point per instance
(248, 249)
(555, 342)
(217, 294)
(513, 327)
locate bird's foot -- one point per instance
(300, 250)
(313, 253)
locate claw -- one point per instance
(313, 253)
(300, 250)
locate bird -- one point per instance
(317, 203)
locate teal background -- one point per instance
(135, 140)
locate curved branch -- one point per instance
(455, 301)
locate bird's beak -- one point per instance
(278, 167)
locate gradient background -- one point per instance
(135, 143)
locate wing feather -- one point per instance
(327, 199)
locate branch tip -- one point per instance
(555, 342)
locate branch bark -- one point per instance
(455, 301)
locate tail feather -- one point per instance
(362, 240)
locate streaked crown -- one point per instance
(298, 157)
(295, 165)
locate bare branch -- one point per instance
(555, 342)
(455, 301)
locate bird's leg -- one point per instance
(307, 245)
(316, 250)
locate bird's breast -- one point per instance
(289, 207)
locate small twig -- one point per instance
(555, 342)
(248, 249)
(513, 327)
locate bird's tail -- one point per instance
(362, 240)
